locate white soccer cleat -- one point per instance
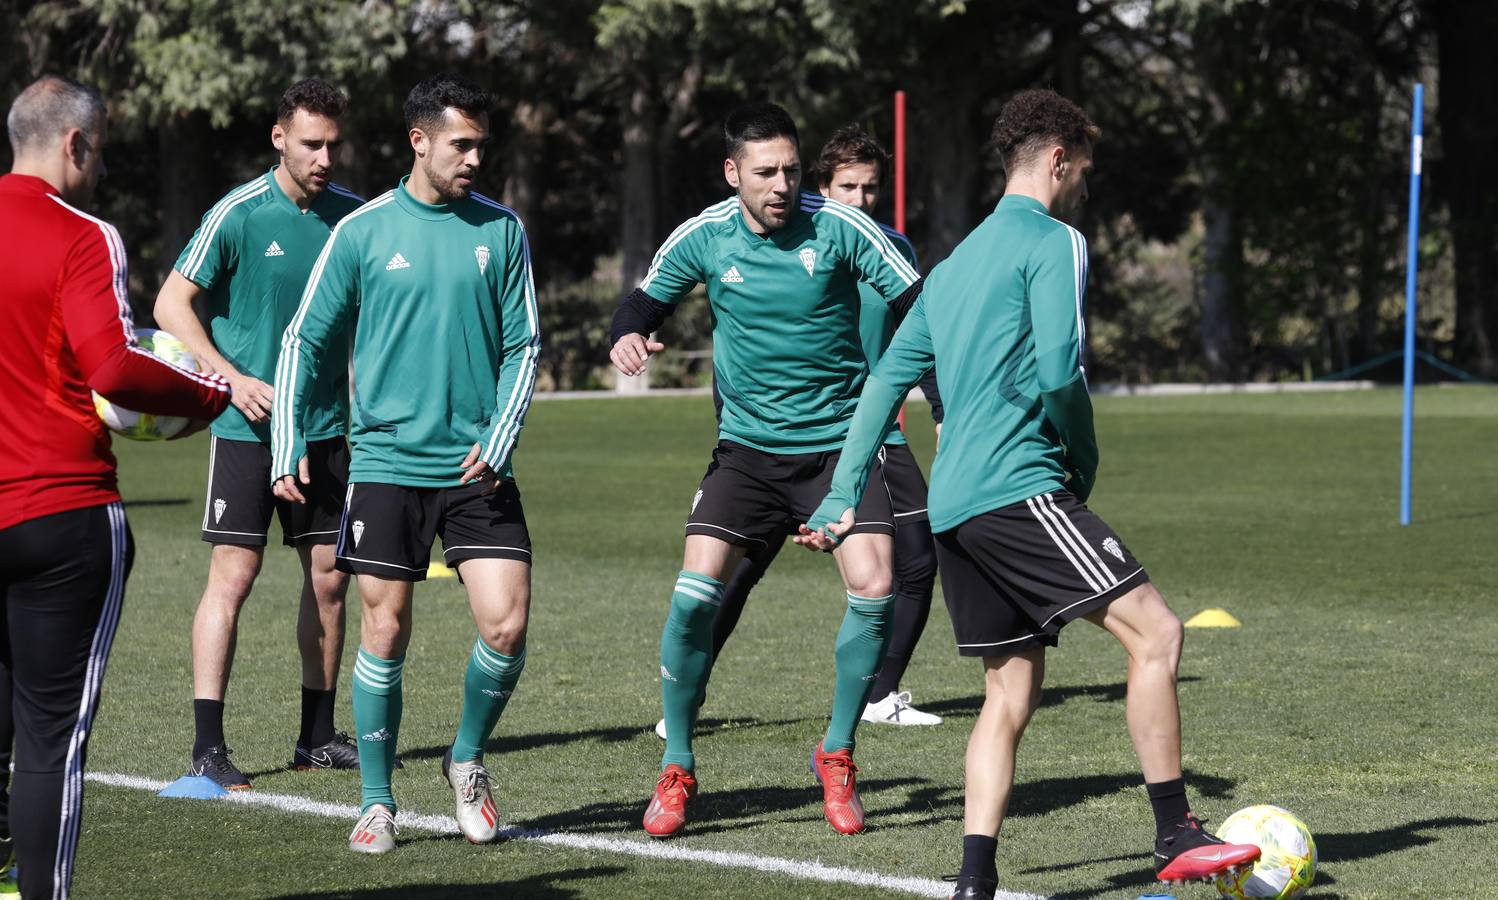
(478, 817)
(374, 832)
(660, 729)
(895, 709)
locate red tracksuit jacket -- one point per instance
(65, 329)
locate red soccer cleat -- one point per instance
(667, 811)
(1188, 853)
(840, 803)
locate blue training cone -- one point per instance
(194, 787)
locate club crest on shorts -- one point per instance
(358, 531)
(218, 509)
(696, 499)
(808, 259)
(481, 253)
(1111, 545)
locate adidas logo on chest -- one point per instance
(732, 276)
(397, 262)
(274, 250)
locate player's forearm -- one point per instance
(130, 376)
(1069, 409)
(876, 411)
(639, 313)
(175, 314)
(517, 384)
(296, 372)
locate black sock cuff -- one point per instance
(978, 853)
(1161, 789)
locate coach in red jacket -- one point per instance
(65, 549)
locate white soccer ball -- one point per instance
(1287, 860)
(145, 426)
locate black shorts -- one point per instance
(240, 500)
(907, 486)
(748, 497)
(388, 529)
(1012, 577)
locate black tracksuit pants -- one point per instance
(62, 582)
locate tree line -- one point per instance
(1247, 212)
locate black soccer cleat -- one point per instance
(1187, 852)
(972, 887)
(338, 753)
(214, 764)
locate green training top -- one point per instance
(446, 337)
(252, 255)
(1002, 320)
(786, 349)
(876, 323)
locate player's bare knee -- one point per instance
(330, 588)
(507, 637)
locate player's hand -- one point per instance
(475, 469)
(251, 396)
(632, 352)
(826, 538)
(938, 438)
(288, 488)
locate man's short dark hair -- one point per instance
(1036, 119)
(757, 122)
(49, 107)
(314, 96)
(431, 98)
(849, 146)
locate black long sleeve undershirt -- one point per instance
(639, 313)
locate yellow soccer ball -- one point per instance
(1287, 861)
(144, 426)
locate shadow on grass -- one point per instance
(549, 886)
(1051, 696)
(712, 811)
(168, 501)
(516, 743)
(1332, 849)
(1355, 845)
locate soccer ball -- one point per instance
(144, 426)
(1287, 861)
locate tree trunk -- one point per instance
(186, 190)
(951, 167)
(639, 231)
(1371, 283)
(1468, 119)
(525, 165)
(1222, 247)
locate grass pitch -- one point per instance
(1358, 693)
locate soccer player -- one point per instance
(1020, 553)
(65, 547)
(850, 170)
(249, 262)
(435, 283)
(781, 269)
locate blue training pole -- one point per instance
(1406, 444)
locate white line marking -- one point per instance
(794, 868)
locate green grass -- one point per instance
(1358, 692)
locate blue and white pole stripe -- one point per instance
(1411, 260)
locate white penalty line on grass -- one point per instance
(794, 868)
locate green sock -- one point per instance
(861, 643)
(487, 686)
(686, 660)
(377, 718)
